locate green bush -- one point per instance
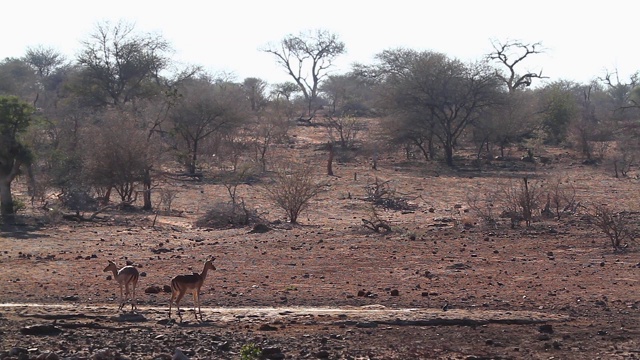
(250, 351)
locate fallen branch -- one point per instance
(377, 226)
(80, 217)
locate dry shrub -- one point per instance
(482, 203)
(292, 188)
(381, 193)
(166, 197)
(225, 215)
(375, 223)
(521, 201)
(615, 225)
(561, 198)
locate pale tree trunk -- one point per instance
(330, 161)
(146, 194)
(6, 200)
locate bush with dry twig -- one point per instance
(615, 225)
(293, 187)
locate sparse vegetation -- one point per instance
(250, 351)
(483, 204)
(382, 193)
(561, 198)
(375, 223)
(292, 188)
(615, 225)
(521, 201)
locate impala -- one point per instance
(192, 283)
(126, 277)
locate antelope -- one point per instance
(183, 283)
(127, 276)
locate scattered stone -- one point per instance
(17, 351)
(459, 266)
(272, 353)
(179, 355)
(48, 356)
(129, 317)
(366, 325)
(223, 345)
(547, 329)
(152, 290)
(543, 337)
(322, 354)
(267, 327)
(395, 292)
(74, 297)
(105, 354)
(260, 229)
(162, 357)
(43, 330)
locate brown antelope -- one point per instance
(183, 283)
(126, 277)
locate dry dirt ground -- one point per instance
(330, 288)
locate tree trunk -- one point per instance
(6, 201)
(194, 158)
(431, 147)
(330, 161)
(448, 153)
(107, 196)
(146, 190)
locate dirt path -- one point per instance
(375, 313)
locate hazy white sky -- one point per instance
(582, 39)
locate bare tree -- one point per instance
(306, 57)
(343, 130)
(514, 117)
(511, 54)
(269, 128)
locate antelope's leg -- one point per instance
(196, 299)
(122, 300)
(178, 298)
